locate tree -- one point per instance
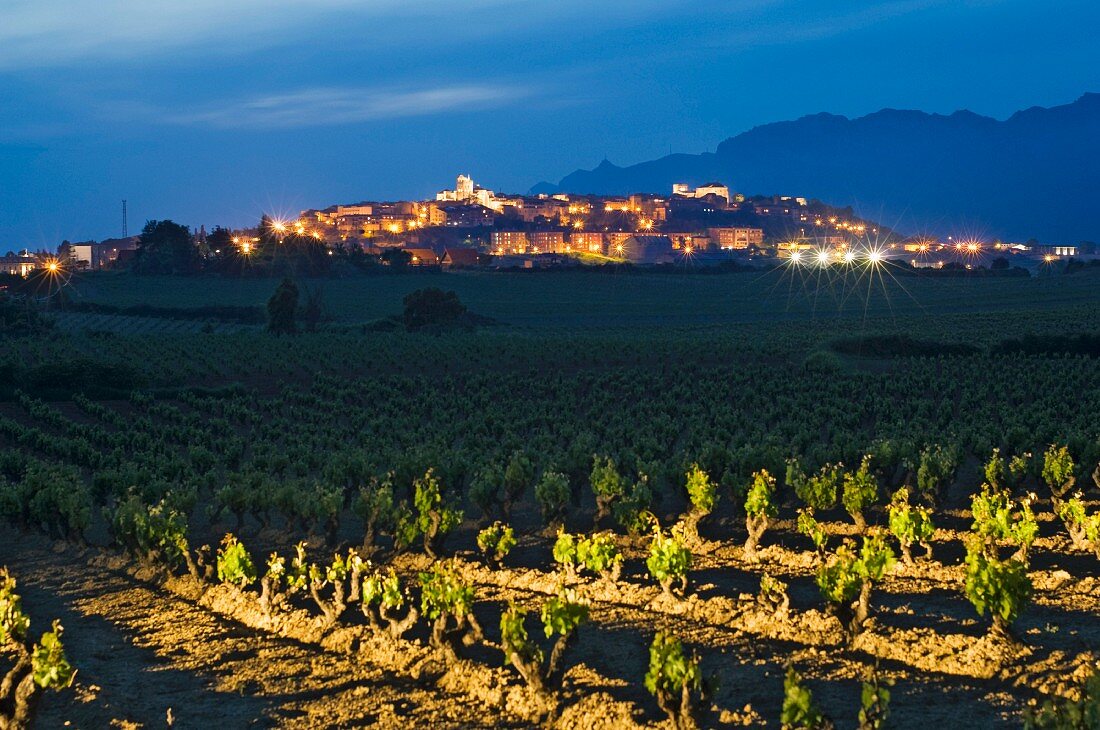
(431, 306)
(281, 308)
(166, 248)
(396, 257)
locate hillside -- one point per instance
(1034, 174)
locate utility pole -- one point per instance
(125, 226)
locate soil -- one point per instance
(146, 647)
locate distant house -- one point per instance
(548, 241)
(736, 238)
(645, 249)
(422, 257)
(510, 242)
(459, 258)
(20, 264)
(589, 241)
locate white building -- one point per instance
(711, 188)
(466, 192)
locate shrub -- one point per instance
(936, 470)
(1058, 472)
(668, 561)
(431, 307)
(518, 476)
(496, 541)
(998, 517)
(846, 580)
(565, 553)
(552, 493)
(38, 667)
(859, 492)
(608, 485)
(703, 495)
(773, 595)
(1083, 528)
(433, 519)
(153, 535)
(1000, 588)
(674, 679)
(282, 580)
(57, 500)
(760, 507)
(799, 709)
(343, 575)
(375, 507)
(448, 602)
(281, 309)
(325, 504)
(561, 615)
(996, 471)
(874, 702)
(599, 554)
(1080, 713)
(234, 563)
(811, 528)
(817, 491)
(632, 511)
(485, 489)
(381, 601)
(910, 525)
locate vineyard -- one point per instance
(883, 517)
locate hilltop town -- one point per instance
(471, 226)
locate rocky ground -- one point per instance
(154, 653)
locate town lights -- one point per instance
(874, 257)
(796, 256)
(278, 226)
(53, 267)
(246, 248)
(823, 257)
(849, 257)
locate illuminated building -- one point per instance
(589, 241)
(18, 264)
(712, 188)
(466, 192)
(736, 238)
(548, 241)
(510, 241)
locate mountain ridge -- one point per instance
(1033, 174)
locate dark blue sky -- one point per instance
(215, 111)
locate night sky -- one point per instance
(215, 111)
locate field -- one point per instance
(634, 434)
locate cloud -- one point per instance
(331, 106)
(59, 33)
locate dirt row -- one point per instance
(213, 654)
